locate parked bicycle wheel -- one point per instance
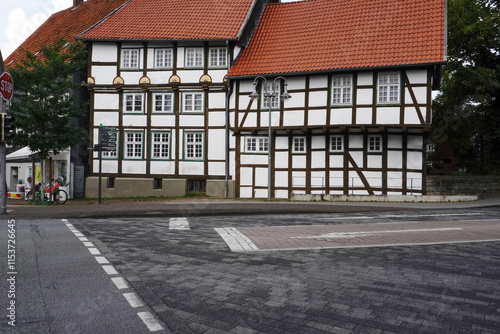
(61, 197)
(29, 196)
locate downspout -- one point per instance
(228, 97)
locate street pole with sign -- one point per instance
(107, 143)
(6, 91)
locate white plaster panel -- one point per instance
(217, 75)
(318, 180)
(364, 96)
(365, 78)
(336, 179)
(374, 178)
(356, 141)
(297, 101)
(159, 77)
(281, 160)
(191, 167)
(134, 120)
(299, 161)
(216, 168)
(250, 121)
(394, 180)
(318, 159)
(295, 117)
(388, 115)
(108, 166)
(246, 192)
(246, 86)
(411, 116)
(191, 120)
(246, 176)
(275, 118)
(131, 78)
(245, 101)
(414, 160)
(254, 159)
(414, 181)
(299, 179)
(216, 118)
(420, 95)
(318, 142)
(260, 193)
(395, 159)
(281, 193)
(216, 144)
(281, 143)
(133, 167)
(374, 161)
(364, 116)
(163, 120)
(162, 167)
(336, 161)
(341, 116)
(318, 99)
(190, 76)
(217, 100)
(281, 179)
(316, 117)
(106, 102)
(104, 52)
(415, 142)
(394, 141)
(318, 81)
(261, 177)
(358, 159)
(106, 118)
(296, 83)
(104, 75)
(180, 57)
(417, 76)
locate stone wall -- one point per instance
(463, 185)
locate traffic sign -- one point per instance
(108, 139)
(6, 86)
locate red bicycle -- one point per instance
(59, 196)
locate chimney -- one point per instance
(77, 3)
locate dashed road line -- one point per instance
(178, 224)
(133, 299)
(150, 321)
(110, 270)
(120, 283)
(236, 241)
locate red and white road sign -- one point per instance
(6, 86)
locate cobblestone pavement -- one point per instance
(195, 284)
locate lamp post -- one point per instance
(269, 94)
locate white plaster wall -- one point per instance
(216, 168)
(190, 76)
(246, 176)
(186, 120)
(106, 118)
(217, 100)
(246, 87)
(245, 192)
(417, 76)
(318, 159)
(394, 141)
(281, 193)
(364, 116)
(374, 178)
(162, 167)
(275, 118)
(191, 167)
(414, 181)
(281, 159)
(134, 120)
(104, 52)
(318, 180)
(341, 116)
(319, 81)
(394, 179)
(317, 142)
(336, 178)
(358, 158)
(103, 75)
(131, 78)
(414, 160)
(411, 116)
(133, 167)
(281, 143)
(415, 142)
(388, 115)
(420, 95)
(293, 118)
(298, 161)
(216, 118)
(336, 161)
(261, 177)
(254, 159)
(298, 179)
(365, 78)
(250, 121)
(106, 101)
(364, 96)
(356, 141)
(296, 83)
(159, 77)
(260, 193)
(297, 101)
(162, 120)
(216, 144)
(281, 179)
(374, 161)
(395, 159)
(217, 75)
(316, 117)
(108, 166)
(180, 57)
(318, 99)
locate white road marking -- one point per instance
(94, 251)
(236, 241)
(110, 270)
(178, 224)
(150, 321)
(78, 234)
(101, 260)
(133, 299)
(401, 216)
(120, 282)
(83, 239)
(343, 235)
(88, 244)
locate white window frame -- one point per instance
(374, 144)
(194, 57)
(342, 86)
(133, 145)
(389, 88)
(257, 144)
(193, 102)
(135, 106)
(194, 145)
(218, 57)
(299, 145)
(163, 97)
(130, 59)
(334, 146)
(164, 58)
(276, 100)
(161, 142)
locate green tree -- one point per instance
(468, 108)
(44, 103)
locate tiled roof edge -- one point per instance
(79, 37)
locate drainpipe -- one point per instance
(228, 97)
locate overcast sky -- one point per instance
(20, 18)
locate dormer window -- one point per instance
(130, 59)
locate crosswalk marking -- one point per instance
(178, 224)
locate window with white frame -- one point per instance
(218, 57)
(160, 145)
(163, 58)
(133, 103)
(134, 141)
(342, 89)
(256, 144)
(275, 100)
(192, 102)
(336, 143)
(194, 57)
(130, 59)
(163, 102)
(193, 145)
(375, 144)
(299, 145)
(388, 87)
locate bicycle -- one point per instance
(59, 196)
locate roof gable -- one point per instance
(173, 20)
(319, 35)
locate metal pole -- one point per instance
(269, 158)
(3, 167)
(100, 165)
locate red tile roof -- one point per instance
(174, 20)
(66, 24)
(318, 35)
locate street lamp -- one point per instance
(269, 94)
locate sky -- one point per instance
(20, 18)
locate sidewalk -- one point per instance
(198, 207)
